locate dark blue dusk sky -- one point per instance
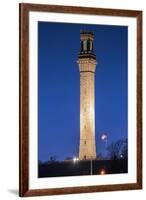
(59, 87)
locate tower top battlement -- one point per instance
(86, 35)
(86, 32)
(86, 48)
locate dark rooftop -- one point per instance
(86, 32)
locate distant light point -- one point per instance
(102, 172)
(104, 136)
(75, 159)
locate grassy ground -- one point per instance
(70, 168)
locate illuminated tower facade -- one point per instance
(87, 65)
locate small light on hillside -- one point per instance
(102, 172)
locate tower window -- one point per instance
(85, 126)
(88, 45)
(85, 142)
(81, 46)
(85, 157)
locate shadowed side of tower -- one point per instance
(87, 65)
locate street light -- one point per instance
(102, 172)
(91, 167)
(121, 156)
(75, 159)
(104, 139)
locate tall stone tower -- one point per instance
(87, 65)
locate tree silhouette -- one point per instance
(116, 149)
(124, 151)
(52, 158)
